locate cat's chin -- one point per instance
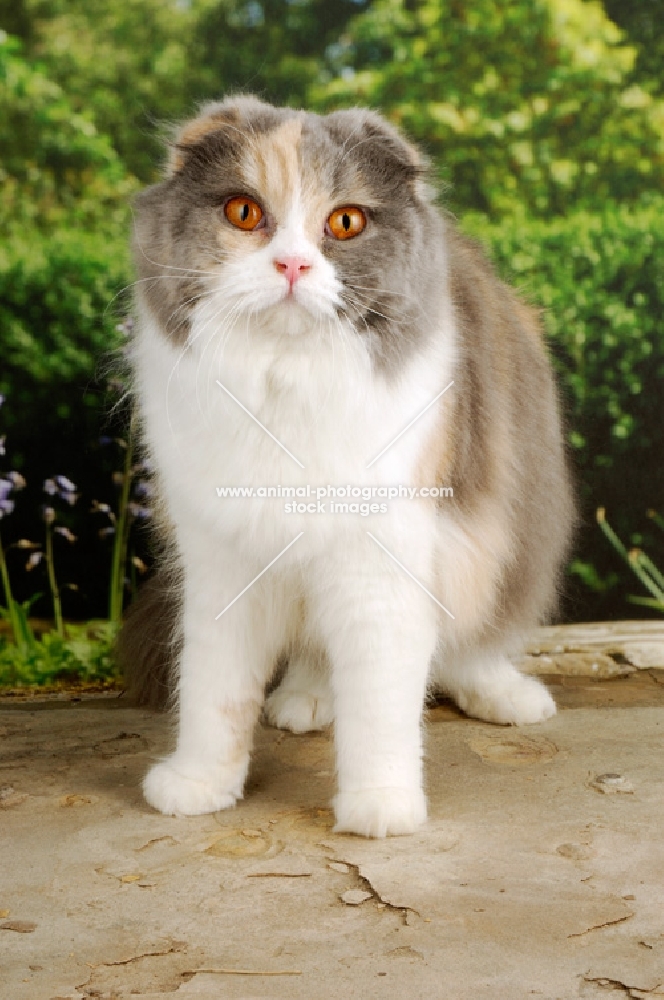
(291, 317)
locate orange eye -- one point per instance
(344, 223)
(245, 213)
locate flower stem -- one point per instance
(19, 638)
(121, 541)
(53, 583)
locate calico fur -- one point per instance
(370, 611)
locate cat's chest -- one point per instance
(265, 425)
(268, 416)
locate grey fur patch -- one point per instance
(508, 443)
(392, 272)
(148, 646)
(174, 243)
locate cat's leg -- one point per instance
(303, 700)
(380, 631)
(486, 685)
(223, 669)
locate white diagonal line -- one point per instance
(217, 617)
(408, 573)
(262, 426)
(413, 421)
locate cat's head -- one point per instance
(294, 218)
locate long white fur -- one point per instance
(307, 376)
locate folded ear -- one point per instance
(379, 149)
(212, 118)
(392, 144)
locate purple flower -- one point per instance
(65, 484)
(34, 560)
(143, 489)
(66, 533)
(16, 479)
(2, 399)
(138, 511)
(61, 487)
(48, 514)
(6, 505)
(2, 444)
(100, 508)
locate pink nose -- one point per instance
(292, 268)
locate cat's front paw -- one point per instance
(299, 711)
(380, 812)
(510, 700)
(177, 790)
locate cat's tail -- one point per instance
(148, 645)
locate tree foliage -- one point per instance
(543, 120)
(643, 23)
(130, 66)
(525, 106)
(121, 64)
(55, 167)
(273, 48)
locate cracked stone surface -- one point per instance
(527, 881)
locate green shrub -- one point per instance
(525, 107)
(83, 656)
(56, 169)
(58, 309)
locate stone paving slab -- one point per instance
(540, 873)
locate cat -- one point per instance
(305, 314)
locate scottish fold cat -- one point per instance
(308, 321)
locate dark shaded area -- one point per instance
(643, 23)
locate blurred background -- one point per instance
(544, 122)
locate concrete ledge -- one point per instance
(539, 874)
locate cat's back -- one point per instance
(508, 455)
